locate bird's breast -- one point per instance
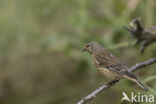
(95, 62)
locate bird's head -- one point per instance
(92, 47)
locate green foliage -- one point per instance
(41, 41)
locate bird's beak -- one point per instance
(83, 50)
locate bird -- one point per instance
(109, 65)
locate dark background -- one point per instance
(40, 49)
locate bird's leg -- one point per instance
(113, 81)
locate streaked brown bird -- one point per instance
(109, 65)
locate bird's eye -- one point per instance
(87, 46)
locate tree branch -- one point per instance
(143, 64)
(111, 83)
(144, 36)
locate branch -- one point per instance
(97, 92)
(144, 36)
(111, 83)
(143, 64)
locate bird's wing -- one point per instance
(107, 60)
(112, 63)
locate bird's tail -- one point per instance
(141, 85)
(138, 83)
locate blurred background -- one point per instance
(40, 49)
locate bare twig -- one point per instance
(143, 64)
(97, 92)
(144, 36)
(111, 83)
